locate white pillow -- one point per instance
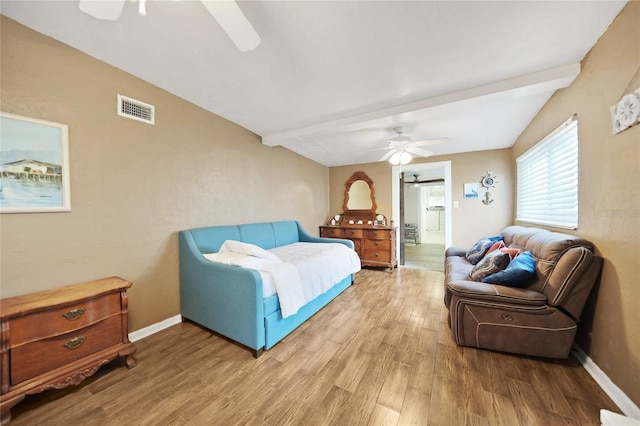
(246, 248)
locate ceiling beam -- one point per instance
(543, 81)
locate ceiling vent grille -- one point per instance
(136, 110)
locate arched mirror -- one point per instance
(358, 194)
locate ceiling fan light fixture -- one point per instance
(400, 158)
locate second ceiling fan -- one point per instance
(402, 149)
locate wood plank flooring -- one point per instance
(381, 353)
(424, 256)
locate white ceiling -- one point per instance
(331, 80)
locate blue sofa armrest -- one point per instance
(305, 237)
(226, 299)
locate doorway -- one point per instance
(421, 207)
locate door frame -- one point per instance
(397, 194)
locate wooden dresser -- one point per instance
(375, 244)
(56, 338)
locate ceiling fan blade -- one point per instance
(108, 10)
(388, 155)
(419, 151)
(234, 23)
(426, 142)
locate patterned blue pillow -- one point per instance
(517, 274)
(490, 264)
(478, 251)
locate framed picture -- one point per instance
(34, 165)
(471, 189)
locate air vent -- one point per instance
(136, 110)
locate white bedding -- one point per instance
(303, 271)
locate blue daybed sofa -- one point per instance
(228, 299)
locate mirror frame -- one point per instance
(347, 186)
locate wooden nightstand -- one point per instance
(56, 338)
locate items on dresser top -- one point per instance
(56, 338)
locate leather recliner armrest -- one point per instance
(496, 293)
(455, 251)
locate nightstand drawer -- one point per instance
(332, 232)
(61, 320)
(377, 244)
(381, 234)
(377, 255)
(33, 359)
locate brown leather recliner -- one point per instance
(540, 319)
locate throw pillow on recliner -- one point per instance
(517, 274)
(480, 248)
(490, 264)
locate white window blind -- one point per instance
(547, 182)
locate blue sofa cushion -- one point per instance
(517, 274)
(260, 234)
(210, 239)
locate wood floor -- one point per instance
(381, 353)
(424, 256)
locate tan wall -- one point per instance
(472, 219)
(133, 185)
(609, 195)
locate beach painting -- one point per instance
(34, 165)
(471, 190)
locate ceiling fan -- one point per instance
(417, 182)
(402, 147)
(225, 12)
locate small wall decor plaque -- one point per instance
(471, 190)
(626, 113)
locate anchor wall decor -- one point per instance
(487, 182)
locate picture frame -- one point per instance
(471, 190)
(34, 165)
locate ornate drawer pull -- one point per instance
(375, 232)
(376, 243)
(507, 317)
(376, 255)
(75, 342)
(74, 313)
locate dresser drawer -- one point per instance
(353, 233)
(332, 232)
(377, 255)
(62, 320)
(377, 234)
(377, 244)
(33, 359)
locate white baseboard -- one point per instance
(154, 328)
(624, 403)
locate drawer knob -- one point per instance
(74, 313)
(75, 342)
(376, 243)
(507, 317)
(377, 255)
(375, 232)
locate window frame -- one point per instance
(545, 182)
